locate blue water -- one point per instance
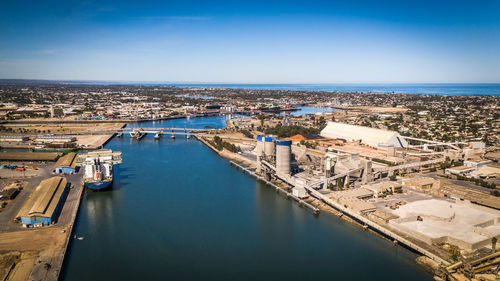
(428, 89)
(178, 211)
(303, 110)
(458, 89)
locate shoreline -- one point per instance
(67, 245)
(363, 88)
(424, 262)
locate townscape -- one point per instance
(422, 171)
(434, 117)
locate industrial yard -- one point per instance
(365, 160)
(370, 180)
(35, 224)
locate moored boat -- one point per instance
(99, 168)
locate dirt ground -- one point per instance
(24, 249)
(28, 173)
(24, 253)
(232, 156)
(30, 240)
(92, 140)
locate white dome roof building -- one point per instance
(369, 136)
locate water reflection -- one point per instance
(183, 213)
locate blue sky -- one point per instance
(252, 41)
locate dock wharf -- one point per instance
(278, 188)
(374, 226)
(80, 189)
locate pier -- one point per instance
(374, 226)
(278, 188)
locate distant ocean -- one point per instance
(422, 89)
(464, 89)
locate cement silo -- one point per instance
(269, 145)
(260, 151)
(283, 156)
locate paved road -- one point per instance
(7, 216)
(72, 199)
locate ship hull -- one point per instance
(98, 185)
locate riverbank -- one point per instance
(216, 219)
(229, 155)
(317, 204)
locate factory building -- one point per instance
(376, 138)
(55, 139)
(13, 138)
(66, 164)
(45, 203)
(383, 188)
(422, 184)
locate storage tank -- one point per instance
(260, 145)
(267, 142)
(260, 152)
(269, 145)
(283, 155)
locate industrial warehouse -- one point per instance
(369, 136)
(66, 164)
(29, 156)
(45, 203)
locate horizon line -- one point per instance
(235, 83)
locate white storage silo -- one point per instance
(283, 155)
(260, 151)
(269, 145)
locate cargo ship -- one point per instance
(99, 168)
(98, 174)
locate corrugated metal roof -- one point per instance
(44, 199)
(68, 160)
(29, 156)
